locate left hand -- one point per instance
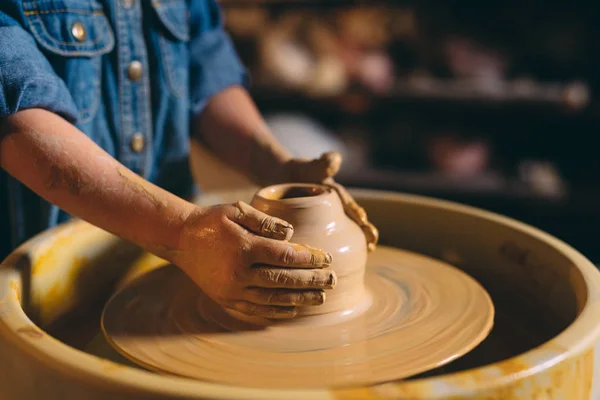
(322, 170)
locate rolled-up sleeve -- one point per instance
(27, 79)
(214, 62)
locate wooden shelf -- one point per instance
(570, 97)
(487, 185)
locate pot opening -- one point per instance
(284, 192)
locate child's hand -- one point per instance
(240, 257)
(322, 170)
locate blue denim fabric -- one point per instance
(186, 58)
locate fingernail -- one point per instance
(287, 313)
(328, 258)
(287, 231)
(287, 225)
(321, 298)
(331, 282)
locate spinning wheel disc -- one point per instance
(421, 314)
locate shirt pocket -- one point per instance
(173, 37)
(73, 34)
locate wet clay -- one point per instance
(418, 313)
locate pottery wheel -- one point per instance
(422, 313)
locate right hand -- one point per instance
(241, 258)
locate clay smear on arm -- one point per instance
(68, 177)
(138, 185)
(61, 164)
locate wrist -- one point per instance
(269, 161)
(171, 244)
(187, 234)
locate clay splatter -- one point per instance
(15, 286)
(110, 366)
(30, 332)
(138, 187)
(3, 311)
(69, 177)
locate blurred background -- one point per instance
(491, 104)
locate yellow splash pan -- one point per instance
(545, 343)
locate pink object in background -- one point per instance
(455, 156)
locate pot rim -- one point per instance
(578, 337)
(310, 194)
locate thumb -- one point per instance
(317, 170)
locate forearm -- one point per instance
(233, 129)
(62, 165)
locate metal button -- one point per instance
(135, 70)
(78, 31)
(128, 3)
(137, 142)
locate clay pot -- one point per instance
(318, 218)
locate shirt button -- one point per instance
(137, 142)
(78, 31)
(135, 70)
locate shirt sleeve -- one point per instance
(214, 63)
(27, 80)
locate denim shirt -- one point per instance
(130, 74)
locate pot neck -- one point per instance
(300, 204)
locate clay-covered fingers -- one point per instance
(284, 254)
(371, 234)
(291, 278)
(282, 297)
(326, 166)
(351, 207)
(356, 213)
(317, 170)
(260, 223)
(264, 311)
